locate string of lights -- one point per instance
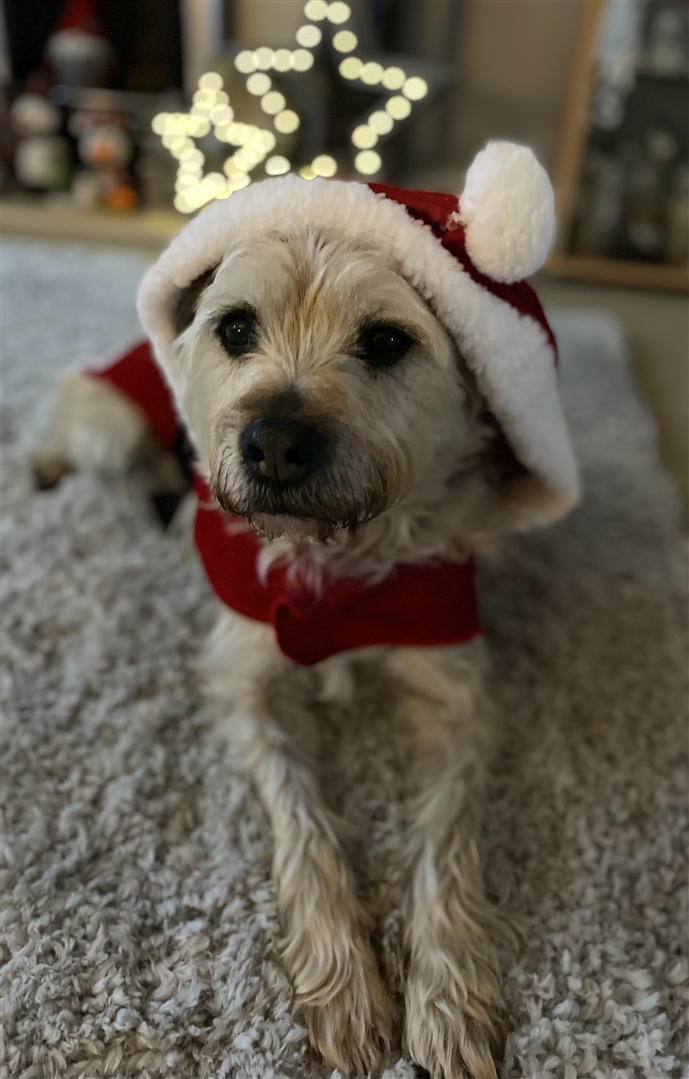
(254, 145)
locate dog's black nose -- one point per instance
(282, 452)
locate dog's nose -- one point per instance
(282, 452)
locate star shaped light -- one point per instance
(211, 109)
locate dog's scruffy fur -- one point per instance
(416, 468)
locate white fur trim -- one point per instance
(508, 212)
(510, 353)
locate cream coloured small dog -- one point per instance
(331, 406)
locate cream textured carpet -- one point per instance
(139, 921)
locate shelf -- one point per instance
(655, 76)
(576, 134)
(61, 221)
(618, 272)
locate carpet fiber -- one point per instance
(140, 928)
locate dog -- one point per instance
(340, 412)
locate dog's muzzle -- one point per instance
(281, 453)
(289, 475)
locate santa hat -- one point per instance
(78, 48)
(80, 15)
(466, 256)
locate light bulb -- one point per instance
(221, 114)
(367, 162)
(371, 73)
(415, 88)
(364, 137)
(302, 60)
(309, 36)
(198, 126)
(180, 146)
(316, 10)
(393, 78)
(398, 107)
(215, 181)
(338, 12)
(351, 67)
(273, 102)
(211, 80)
(266, 140)
(263, 58)
(277, 166)
(381, 123)
(245, 62)
(286, 122)
(258, 84)
(324, 165)
(345, 41)
(282, 60)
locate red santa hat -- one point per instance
(466, 256)
(78, 48)
(80, 15)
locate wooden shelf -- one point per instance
(618, 272)
(575, 132)
(55, 220)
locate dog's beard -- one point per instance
(310, 512)
(296, 529)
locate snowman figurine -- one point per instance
(42, 158)
(105, 150)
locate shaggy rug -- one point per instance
(140, 929)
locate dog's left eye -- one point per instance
(382, 344)
(237, 331)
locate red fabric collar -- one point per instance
(416, 605)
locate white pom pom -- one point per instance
(508, 212)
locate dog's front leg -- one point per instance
(340, 995)
(453, 1012)
(94, 428)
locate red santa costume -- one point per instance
(467, 257)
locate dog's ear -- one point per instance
(498, 458)
(522, 497)
(518, 495)
(186, 301)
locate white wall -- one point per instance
(266, 22)
(513, 63)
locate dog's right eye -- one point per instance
(237, 331)
(382, 344)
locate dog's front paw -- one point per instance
(351, 1028)
(48, 465)
(450, 1032)
(95, 428)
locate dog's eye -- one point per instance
(237, 331)
(382, 344)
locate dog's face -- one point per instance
(319, 388)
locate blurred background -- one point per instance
(120, 118)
